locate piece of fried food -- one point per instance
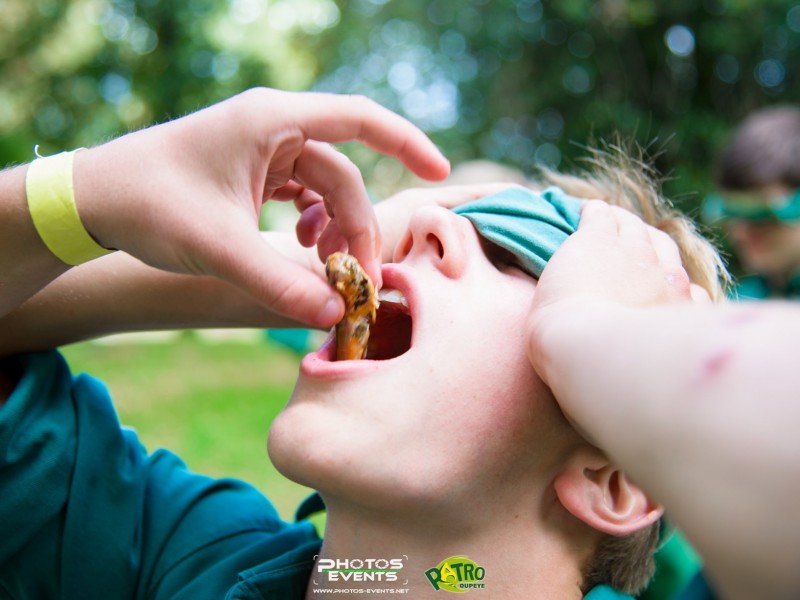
(349, 279)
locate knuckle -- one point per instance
(255, 95)
(351, 167)
(664, 238)
(361, 100)
(678, 279)
(287, 297)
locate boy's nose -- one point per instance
(439, 236)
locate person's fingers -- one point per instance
(281, 284)
(596, 215)
(312, 222)
(653, 250)
(313, 214)
(630, 226)
(671, 263)
(330, 241)
(306, 198)
(291, 190)
(338, 118)
(665, 247)
(455, 195)
(699, 294)
(332, 175)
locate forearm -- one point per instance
(118, 293)
(699, 405)
(26, 265)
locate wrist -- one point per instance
(560, 333)
(26, 264)
(93, 170)
(51, 202)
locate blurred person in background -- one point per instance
(758, 202)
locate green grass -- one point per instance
(209, 402)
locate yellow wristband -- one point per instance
(51, 201)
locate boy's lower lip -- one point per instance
(320, 364)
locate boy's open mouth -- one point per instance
(390, 335)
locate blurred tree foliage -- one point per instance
(517, 81)
(524, 81)
(75, 72)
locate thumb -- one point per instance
(281, 284)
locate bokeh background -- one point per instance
(520, 82)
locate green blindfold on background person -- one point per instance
(784, 210)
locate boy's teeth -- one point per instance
(395, 296)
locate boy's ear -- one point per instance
(602, 496)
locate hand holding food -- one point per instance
(221, 164)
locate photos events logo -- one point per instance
(357, 570)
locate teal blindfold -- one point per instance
(785, 210)
(531, 225)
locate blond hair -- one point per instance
(618, 177)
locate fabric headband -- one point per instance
(531, 225)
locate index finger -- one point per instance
(332, 175)
(597, 214)
(336, 118)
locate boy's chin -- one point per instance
(289, 447)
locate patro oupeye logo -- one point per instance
(456, 574)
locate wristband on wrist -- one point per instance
(51, 202)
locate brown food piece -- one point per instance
(349, 279)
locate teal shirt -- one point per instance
(87, 513)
